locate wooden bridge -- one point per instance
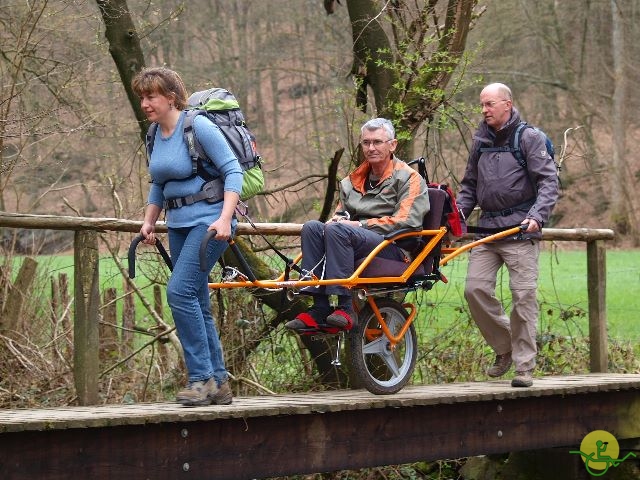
(266, 436)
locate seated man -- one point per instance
(382, 195)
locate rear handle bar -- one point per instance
(234, 248)
(132, 255)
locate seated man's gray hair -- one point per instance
(376, 123)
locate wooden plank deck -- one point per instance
(306, 403)
(264, 436)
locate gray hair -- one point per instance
(377, 123)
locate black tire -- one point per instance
(376, 367)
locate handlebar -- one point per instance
(203, 249)
(132, 255)
(234, 248)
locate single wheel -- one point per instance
(377, 366)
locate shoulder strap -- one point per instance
(515, 144)
(196, 152)
(190, 138)
(151, 136)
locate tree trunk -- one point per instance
(124, 46)
(408, 64)
(371, 49)
(621, 200)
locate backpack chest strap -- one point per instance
(505, 148)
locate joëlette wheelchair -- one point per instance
(383, 342)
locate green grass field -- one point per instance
(562, 290)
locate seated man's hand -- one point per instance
(353, 223)
(339, 216)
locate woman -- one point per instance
(163, 99)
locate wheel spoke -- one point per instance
(390, 361)
(377, 347)
(381, 348)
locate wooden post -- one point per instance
(161, 346)
(107, 329)
(128, 320)
(63, 284)
(597, 289)
(55, 305)
(87, 303)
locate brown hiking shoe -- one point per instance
(522, 379)
(197, 393)
(501, 365)
(222, 395)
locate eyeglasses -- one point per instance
(375, 143)
(491, 104)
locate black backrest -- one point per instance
(433, 221)
(437, 200)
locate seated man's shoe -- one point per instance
(523, 379)
(500, 366)
(341, 319)
(222, 395)
(197, 393)
(301, 322)
(307, 320)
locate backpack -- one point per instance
(514, 145)
(222, 108)
(451, 217)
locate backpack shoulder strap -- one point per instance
(196, 152)
(150, 139)
(515, 143)
(513, 147)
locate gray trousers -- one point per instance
(343, 245)
(516, 333)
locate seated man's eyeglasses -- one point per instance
(376, 143)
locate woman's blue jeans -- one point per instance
(188, 297)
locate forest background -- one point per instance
(71, 143)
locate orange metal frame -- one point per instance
(357, 281)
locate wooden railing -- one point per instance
(87, 295)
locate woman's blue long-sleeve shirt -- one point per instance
(170, 166)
